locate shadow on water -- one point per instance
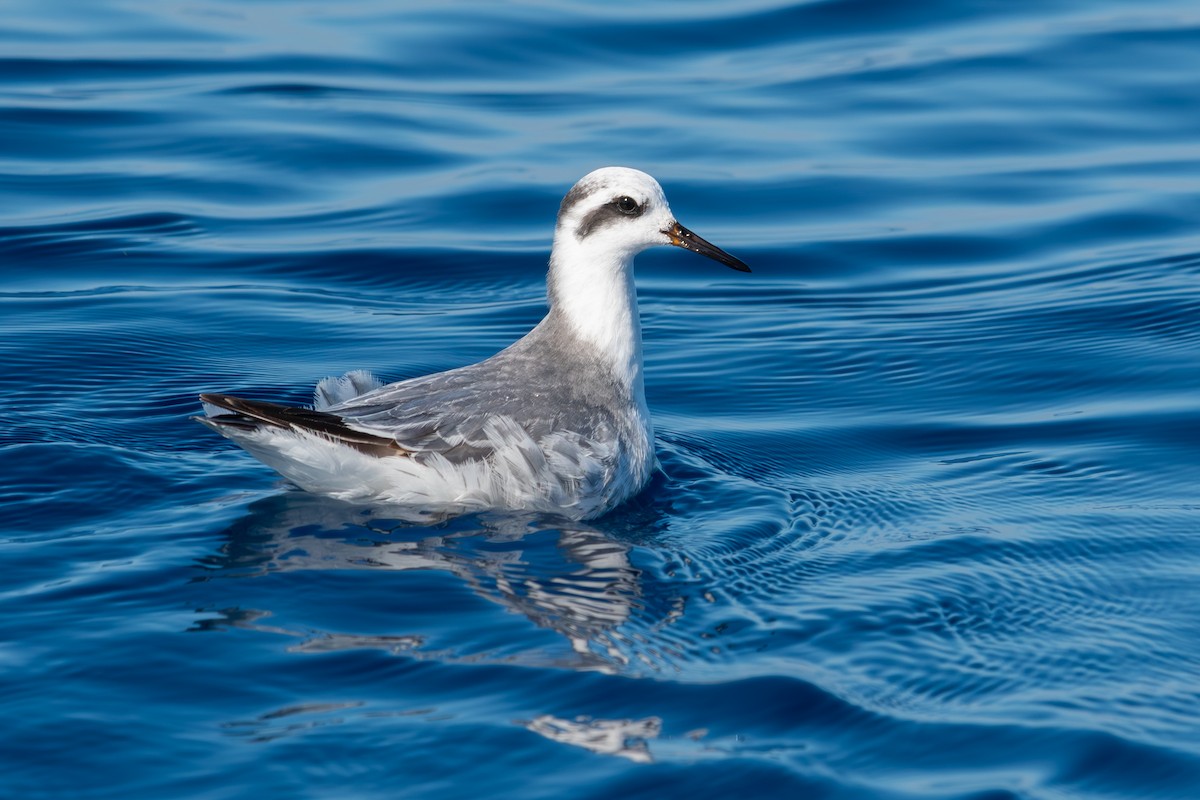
(573, 578)
(635, 592)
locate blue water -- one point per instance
(929, 521)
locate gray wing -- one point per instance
(444, 413)
(452, 413)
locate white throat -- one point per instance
(593, 289)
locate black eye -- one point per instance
(627, 205)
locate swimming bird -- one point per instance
(557, 422)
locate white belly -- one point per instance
(562, 473)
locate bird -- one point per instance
(555, 423)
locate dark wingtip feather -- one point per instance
(250, 414)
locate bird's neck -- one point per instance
(595, 295)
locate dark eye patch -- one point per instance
(620, 208)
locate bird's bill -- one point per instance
(682, 237)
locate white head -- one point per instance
(606, 219)
(615, 213)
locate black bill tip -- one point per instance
(682, 237)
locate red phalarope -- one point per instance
(556, 422)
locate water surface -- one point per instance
(927, 523)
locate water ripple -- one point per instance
(925, 520)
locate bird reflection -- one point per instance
(569, 577)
